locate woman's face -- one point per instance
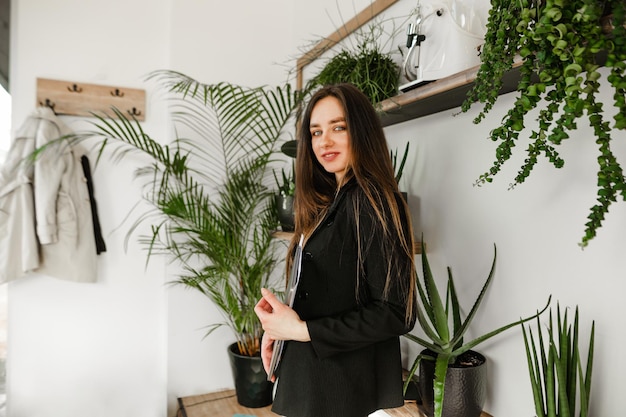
(329, 136)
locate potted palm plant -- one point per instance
(211, 209)
(448, 365)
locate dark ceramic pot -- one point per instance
(251, 384)
(284, 205)
(465, 389)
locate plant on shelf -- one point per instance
(365, 65)
(286, 188)
(558, 382)
(210, 208)
(399, 168)
(561, 45)
(286, 184)
(445, 330)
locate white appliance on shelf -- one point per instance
(444, 39)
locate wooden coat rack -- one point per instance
(80, 99)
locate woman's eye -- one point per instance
(339, 128)
(316, 132)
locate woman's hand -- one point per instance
(279, 321)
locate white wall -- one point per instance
(129, 345)
(536, 228)
(94, 349)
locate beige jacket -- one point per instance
(45, 212)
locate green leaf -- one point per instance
(441, 369)
(439, 317)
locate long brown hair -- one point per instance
(372, 169)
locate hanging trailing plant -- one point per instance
(561, 45)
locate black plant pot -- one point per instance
(465, 389)
(251, 384)
(284, 205)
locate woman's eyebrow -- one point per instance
(333, 121)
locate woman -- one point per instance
(357, 290)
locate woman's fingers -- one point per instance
(267, 349)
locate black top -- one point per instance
(352, 366)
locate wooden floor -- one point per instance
(224, 404)
(411, 409)
(219, 404)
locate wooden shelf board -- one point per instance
(279, 234)
(450, 92)
(82, 99)
(444, 94)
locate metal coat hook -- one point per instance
(75, 89)
(134, 112)
(48, 103)
(117, 93)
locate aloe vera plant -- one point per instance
(555, 369)
(442, 324)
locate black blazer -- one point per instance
(352, 366)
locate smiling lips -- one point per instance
(329, 156)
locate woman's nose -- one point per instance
(324, 140)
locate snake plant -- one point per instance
(442, 324)
(555, 368)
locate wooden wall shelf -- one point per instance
(450, 92)
(434, 97)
